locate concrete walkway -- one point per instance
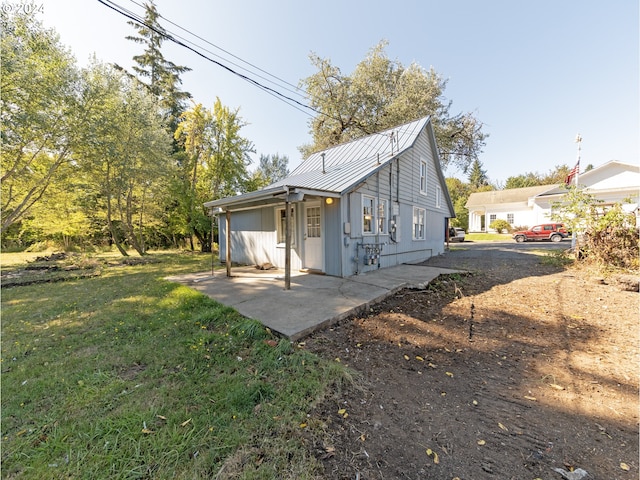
(313, 301)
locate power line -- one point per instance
(285, 84)
(137, 19)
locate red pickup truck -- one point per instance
(547, 231)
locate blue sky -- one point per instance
(536, 73)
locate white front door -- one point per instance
(313, 258)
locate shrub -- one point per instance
(500, 225)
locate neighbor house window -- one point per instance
(492, 217)
(438, 196)
(281, 224)
(423, 176)
(510, 218)
(418, 223)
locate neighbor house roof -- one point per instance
(339, 169)
(512, 195)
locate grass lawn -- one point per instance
(126, 375)
(496, 237)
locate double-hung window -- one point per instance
(374, 216)
(281, 224)
(419, 215)
(423, 177)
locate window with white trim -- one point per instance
(419, 215)
(510, 218)
(423, 176)
(382, 217)
(368, 215)
(438, 196)
(374, 216)
(281, 225)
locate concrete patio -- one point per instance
(313, 301)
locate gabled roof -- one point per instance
(348, 164)
(345, 167)
(586, 178)
(511, 195)
(386, 144)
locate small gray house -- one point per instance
(371, 203)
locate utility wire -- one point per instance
(271, 91)
(285, 84)
(290, 101)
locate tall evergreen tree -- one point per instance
(477, 176)
(161, 76)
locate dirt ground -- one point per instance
(510, 372)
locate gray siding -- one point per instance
(332, 233)
(387, 185)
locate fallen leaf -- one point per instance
(303, 425)
(419, 358)
(533, 399)
(432, 365)
(475, 402)
(624, 467)
(449, 373)
(161, 417)
(443, 394)
(185, 423)
(503, 427)
(556, 386)
(481, 442)
(430, 453)
(342, 411)
(362, 437)
(147, 431)
(406, 357)
(337, 359)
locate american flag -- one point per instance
(574, 171)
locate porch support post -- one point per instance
(228, 245)
(287, 250)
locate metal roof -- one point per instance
(387, 143)
(345, 166)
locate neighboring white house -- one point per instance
(612, 182)
(371, 203)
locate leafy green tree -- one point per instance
(230, 153)
(380, 94)
(271, 169)
(61, 216)
(39, 113)
(125, 153)
(531, 179)
(161, 76)
(459, 193)
(606, 235)
(215, 165)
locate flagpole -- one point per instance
(577, 168)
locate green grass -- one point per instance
(127, 375)
(496, 237)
